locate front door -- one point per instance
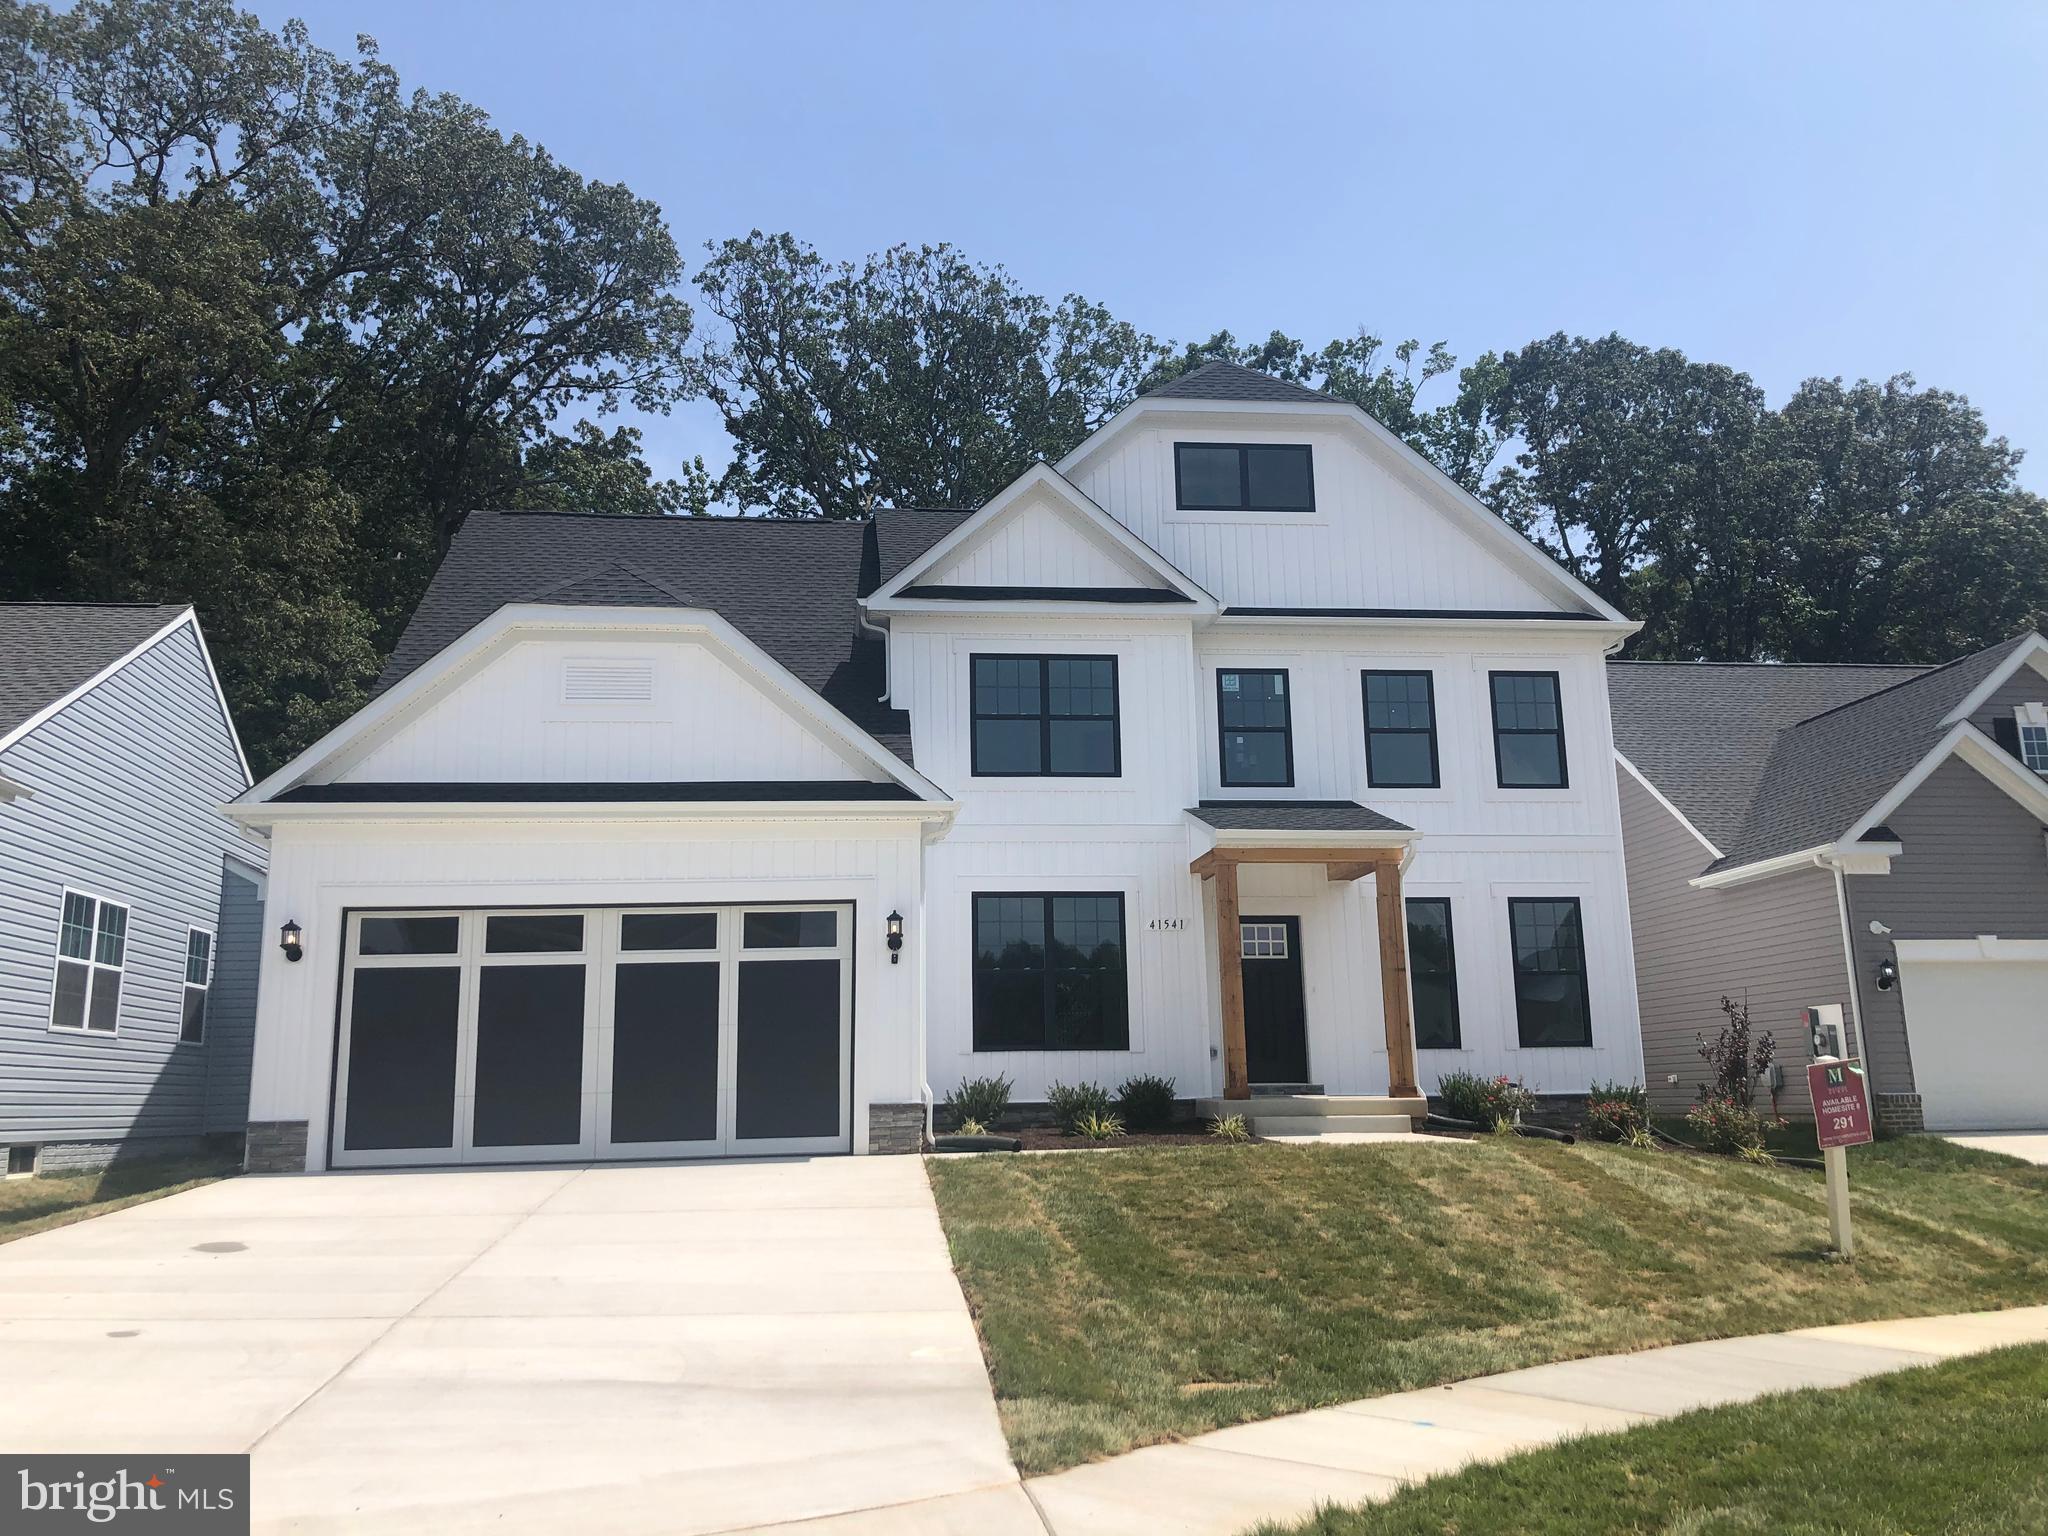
(1275, 1015)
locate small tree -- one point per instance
(1736, 1057)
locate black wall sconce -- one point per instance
(895, 938)
(1887, 975)
(288, 941)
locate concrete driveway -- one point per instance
(2031, 1146)
(680, 1348)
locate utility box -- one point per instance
(1825, 1035)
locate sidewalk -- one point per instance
(1223, 1482)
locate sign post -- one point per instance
(1841, 1120)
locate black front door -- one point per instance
(1275, 1016)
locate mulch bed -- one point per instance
(1039, 1138)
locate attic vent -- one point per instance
(608, 682)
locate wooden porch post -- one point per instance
(1394, 983)
(1230, 974)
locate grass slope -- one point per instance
(36, 1205)
(1139, 1297)
(1954, 1448)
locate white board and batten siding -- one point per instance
(1040, 544)
(575, 711)
(1374, 540)
(124, 786)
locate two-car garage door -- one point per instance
(525, 1034)
(1978, 1028)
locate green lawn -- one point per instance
(1955, 1448)
(1130, 1298)
(35, 1205)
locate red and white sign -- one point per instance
(1841, 1103)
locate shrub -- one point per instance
(1616, 1112)
(1482, 1100)
(1146, 1103)
(1069, 1105)
(1230, 1128)
(1098, 1127)
(981, 1099)
(1736, 1057)
(1725, 1124)
(970, 1126)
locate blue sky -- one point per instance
(1791, 189)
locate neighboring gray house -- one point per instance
(1865, 837)
(131, 910)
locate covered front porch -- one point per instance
(1279, 873)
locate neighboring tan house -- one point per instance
(130, 908)
(697, 837)
(1859, 836)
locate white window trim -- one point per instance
(190, 986)
(2033, 718)
(92, 963)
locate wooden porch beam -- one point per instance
(1283, 853)
(1343, 872)
(1394, 1002)
(1237, 1083)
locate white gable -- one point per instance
(1387, 530)
(602, 710)
(1042, 542)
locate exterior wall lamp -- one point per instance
(1887, 975)
(288, 940)
(895, 938)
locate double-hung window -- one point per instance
(1400, 730)
(1528, 731)
(92, 948)
(1244, 477)
(2034, 746)
(1049, 972)
(1548, 939)
(1045, 716)
(1256, 727)
(1433, 973)
(198, 981)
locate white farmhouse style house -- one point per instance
(1239, 747)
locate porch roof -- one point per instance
(1293, 816)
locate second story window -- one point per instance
(1045, 716)
(1257, 728)
(1528, 731)
(1244, 477)
(2034, 746)
(1400, 730)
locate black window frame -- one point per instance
(1514, 965)
(1457, 1040)
(1045, 717)
(1564, 770)
(1286, 731)
(1436, 769)
(1046, 1041)
(1244, 478)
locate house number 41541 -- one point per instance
(1168, 924)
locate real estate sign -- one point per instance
(1841, 1103)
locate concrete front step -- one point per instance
(1325, 1125)
(1306, 1106)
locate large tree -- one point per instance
(914, 377)
(269, 324)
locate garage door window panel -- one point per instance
(404, 1024)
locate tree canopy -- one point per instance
(270, 325)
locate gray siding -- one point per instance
(1776, 942)
(2025, 686)
(231, 1009)
(123, 789)
(1975, 863)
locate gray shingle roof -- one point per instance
(1294, 816)
(1219, 380)
(1768, 760)
(611, 791)
(48, 649)
(786, 584)
(904, 533)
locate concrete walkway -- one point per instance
(666, 1349)
(1281, 1469)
